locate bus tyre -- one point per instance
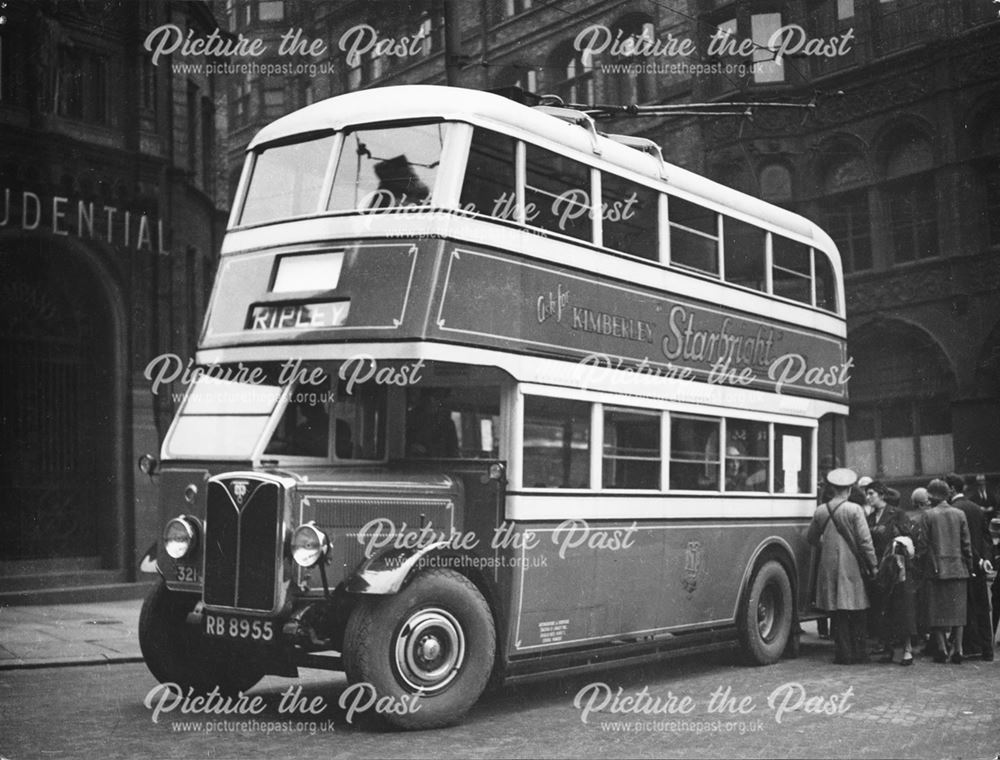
(766, 616)
(426, 652)
(178, 653)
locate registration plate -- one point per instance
(235, 627)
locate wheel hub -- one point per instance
(429, 650)
(766, 613)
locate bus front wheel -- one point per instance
(429, 649)
(767, 614)
(179, 654)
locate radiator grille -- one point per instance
(242, 542)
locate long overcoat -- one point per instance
(839, 583)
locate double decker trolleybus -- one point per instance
(482, 394)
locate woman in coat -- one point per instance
(949, 559)
(841, 532)
(900, 569)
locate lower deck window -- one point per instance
(631, 449)
(694, 454)
(556, 443)
(747, 455)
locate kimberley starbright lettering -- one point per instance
(588, 320)
(684, 340)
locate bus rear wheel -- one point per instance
(766, 615)
(429, 649)
(179, 654)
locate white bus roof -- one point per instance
(509, 117)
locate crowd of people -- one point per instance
(896, 576)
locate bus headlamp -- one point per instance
(309, 545)
(180, 536)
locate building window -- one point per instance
(354, 76)
(992, 184)
(903, 23)
(149, 88)
(499, 10)
(633, 33)
(912, 219)
(776, 184)
(517, 75)
(207, 142)
(900, 422)
(192, 127)
(910, 199)
(432, 32)
(271, 10)
(81, 85)
(845, 217)
(274, 102)
(731, 38)
(574, 73)
(12, 72)
(240, 104)
(767, 68)
(987, 140)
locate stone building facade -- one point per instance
(110, 225)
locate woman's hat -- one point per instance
(842, 477)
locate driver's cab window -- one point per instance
(453, 422)
(327, 424)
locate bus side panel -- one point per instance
(578, 584)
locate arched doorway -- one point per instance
(57, 407)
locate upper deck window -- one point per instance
(489, 185)
(629, 217)
(387, 167)
(694, 236)
(557, 194)
(287, 180)
(744, 253)
(802, 274)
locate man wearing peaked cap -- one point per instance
(839, 529)
(842, 477)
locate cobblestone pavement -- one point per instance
(803, 708)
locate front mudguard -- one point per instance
(388, 571)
